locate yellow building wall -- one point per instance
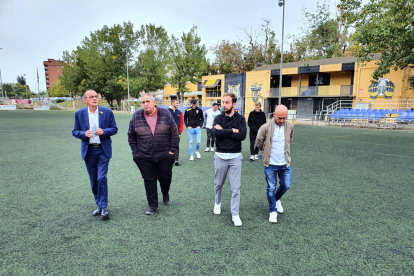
(208, 100)
(330, 67)
(290, 71)
(363, 79)
(169, 90)
(256, 79)
(341, 78)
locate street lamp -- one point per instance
(25, 83)
(127, 45)
(281, 4)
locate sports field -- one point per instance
(350, 209)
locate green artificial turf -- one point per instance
(349, 210)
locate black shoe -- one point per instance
(151, 210)
(177, 163)
(166, 199)
(104, 213)
(97, 212)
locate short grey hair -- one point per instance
(149, 95)
(84, 95)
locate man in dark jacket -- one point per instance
(257, 118)
(178, 118)
(193, 119)
(153, 138)
(230, 130)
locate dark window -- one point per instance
(286, 81)
(320, 79)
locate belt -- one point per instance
(95, 145)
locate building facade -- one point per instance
(53, 69)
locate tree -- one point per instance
(8, 88)
(20, 90)
(153, 59)
(382, 26)
(100, 61)
(188, 59)
(325, 36)
(229, 57)
(57, 90)
(21, 80)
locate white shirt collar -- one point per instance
(90, 112)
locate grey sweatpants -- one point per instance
(233, 167)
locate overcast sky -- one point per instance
(33, 31)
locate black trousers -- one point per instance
(253, 150)
(177, 153)
(153, 171)
(210, 137)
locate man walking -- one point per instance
(95, 125)
(274, 139)
(153, 138)
(193, 119)
(179, 121)
(257, 118)
(230, 130)
(209, 116)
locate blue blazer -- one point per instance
(106, 123)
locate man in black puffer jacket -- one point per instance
(230, 130)
(257, 118)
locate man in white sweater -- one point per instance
(209, 116)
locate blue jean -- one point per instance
(97, 166)
(285, 179)
(197, 133)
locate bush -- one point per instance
(60, 100)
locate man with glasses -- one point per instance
(95, 125)
(274, 139)
(230, 130)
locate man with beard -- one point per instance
(230, 130)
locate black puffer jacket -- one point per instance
(226, 140)
(193, 117)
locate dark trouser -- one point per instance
(253, 150)
(177, 153)
(210, 137)
(153, 171)
(97, 165)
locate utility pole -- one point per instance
(281, 4)
(127, 45)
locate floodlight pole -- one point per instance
(127, 45)
(281, 4)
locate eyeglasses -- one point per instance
(91, 97)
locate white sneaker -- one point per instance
(207, 149)
(192, 158)
(211, 149)
(279, 207)
(256, 157)
(237, 221)
(273, 217)
(198, 154)
(217, 209)
(251, 158)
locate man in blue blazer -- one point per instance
(95, 125)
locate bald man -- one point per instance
(274, 139)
